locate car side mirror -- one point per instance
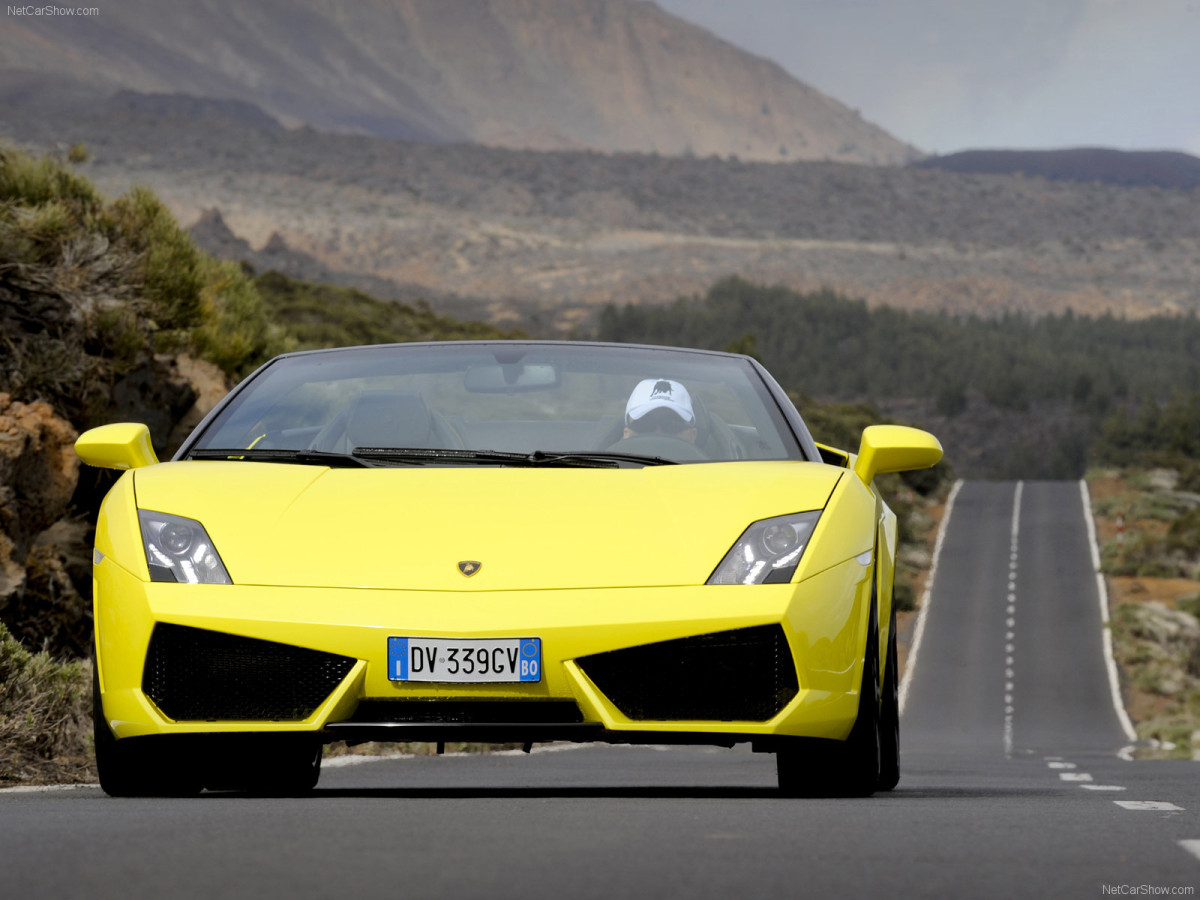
(122, 445)
(895, 448)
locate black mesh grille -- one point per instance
(196, 674)
(468, 712)
(744, 675)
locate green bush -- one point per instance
(322, 315)
(111, 282)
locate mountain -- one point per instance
(1157, 168)
(608, 75)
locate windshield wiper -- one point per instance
(567, 458)
(597, 457)
(364, 457)
(302, 457)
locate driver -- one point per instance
(660, 406)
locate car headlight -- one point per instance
(768, 551)
(179, 549)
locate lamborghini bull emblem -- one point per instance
(469, 567)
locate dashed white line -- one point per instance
(1011, 622)
(1149, 805)
(1081, 779)
(1192, 847)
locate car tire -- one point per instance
(849, 768)
(292, 774)
(139, 767)
(889, 716)
(263, 765)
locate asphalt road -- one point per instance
(1012, 785)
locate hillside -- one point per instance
(611, 75)
(542, 240)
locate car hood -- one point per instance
(528, 529)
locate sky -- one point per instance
(949, 75)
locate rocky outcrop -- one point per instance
(45, 554)
(48, 500)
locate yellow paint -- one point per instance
(895, 448)
(589, 560)
(122, 445)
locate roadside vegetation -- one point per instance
(101, 301)
(1147, 508)
(311, 315)
(45, 716)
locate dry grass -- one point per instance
(1154, 627)
(45, 717)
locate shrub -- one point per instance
(45, 720)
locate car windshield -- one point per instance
(506, 403)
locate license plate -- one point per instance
(464, 660)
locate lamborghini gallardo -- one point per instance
(511, 542)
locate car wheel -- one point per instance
(849, 768)
(889, 716)
(139, 767)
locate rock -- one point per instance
(1162, 479)
(38, 467)
(917, 557)
(45, 563)
(12, 571)
(155, 394)
(208, 384)
(1171, 638)
(1165, 626)
(54, 610)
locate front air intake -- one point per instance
(194, 674)
(746, 675)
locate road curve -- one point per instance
(1011, 784)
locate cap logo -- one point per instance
(661, 389)
(469, 567)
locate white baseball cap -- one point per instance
(656, 393)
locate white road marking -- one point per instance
(926, 595)
(1010, 622)
(1114, 682)
(1192, 847)
(1082, 779)
(1159, 805)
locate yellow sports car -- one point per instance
(495, 541)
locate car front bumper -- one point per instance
(822, 620)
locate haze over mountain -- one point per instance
(609, 75)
